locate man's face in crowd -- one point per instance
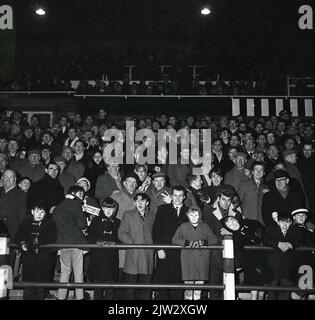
(34, 158)
(178, 197)
(232, 154)
(249, 145)
(240, 161)
(142, 173)
(3, 163)
(78, 147)
(67, 154)
(72, 133)
(3, 144)
(224, 202)
(234, 141)
(53, 170)
(47, 138)
(308, 150)
(217, 146)
(13, 147)
(9, 179)
(262, 141)
(159, 183)
(271, 138)
(28, 133)
(282, 183)
(258, 172)
(273, 152)
(45, 154)
(130, 184)
(289, 144)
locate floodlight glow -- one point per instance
(205, 11)
(40, 12)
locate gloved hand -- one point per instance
(100, 243)
(24, 246)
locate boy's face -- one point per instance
(285, 224)
(193, 217)
(216, 179)
(108, 212)
(38, 214)
(225, 202)
(141, 204)
(232, 224)
(299, 218)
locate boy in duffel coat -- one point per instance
(37, 262)
(104, 262)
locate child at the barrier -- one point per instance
(194, 263)
(104, 262)
(306, 228)
(280, 262)
(37, 262)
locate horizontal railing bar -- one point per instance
(271, 288)
(68, 285)
(36, 92)
(121, 246)
(153, 246)
(189, 96)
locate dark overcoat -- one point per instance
(165, 226)
(103, 262)
(37, 266)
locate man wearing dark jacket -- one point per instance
(12, 203)
(280, 199)
(168, 218)
(306, 164)
(71, 222)
(48, 189)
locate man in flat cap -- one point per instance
(32, 168)
(281, 199)
(158, 192)
(236, 175)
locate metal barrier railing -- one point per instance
(229, 288)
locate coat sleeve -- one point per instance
(265, 210)
(178, 237)
(79, 217)
(21, 234)
(93, 232)
(270, 239)
(158, 227)
(124, 230)
(99, 188)
(211, 238)
(49, 233)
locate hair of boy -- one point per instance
(179, 188)
(40, 204)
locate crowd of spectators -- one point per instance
(258, 74)
(260, 172)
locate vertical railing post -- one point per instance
(228, 268)
(6, 274)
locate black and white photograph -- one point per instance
(156, 156)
